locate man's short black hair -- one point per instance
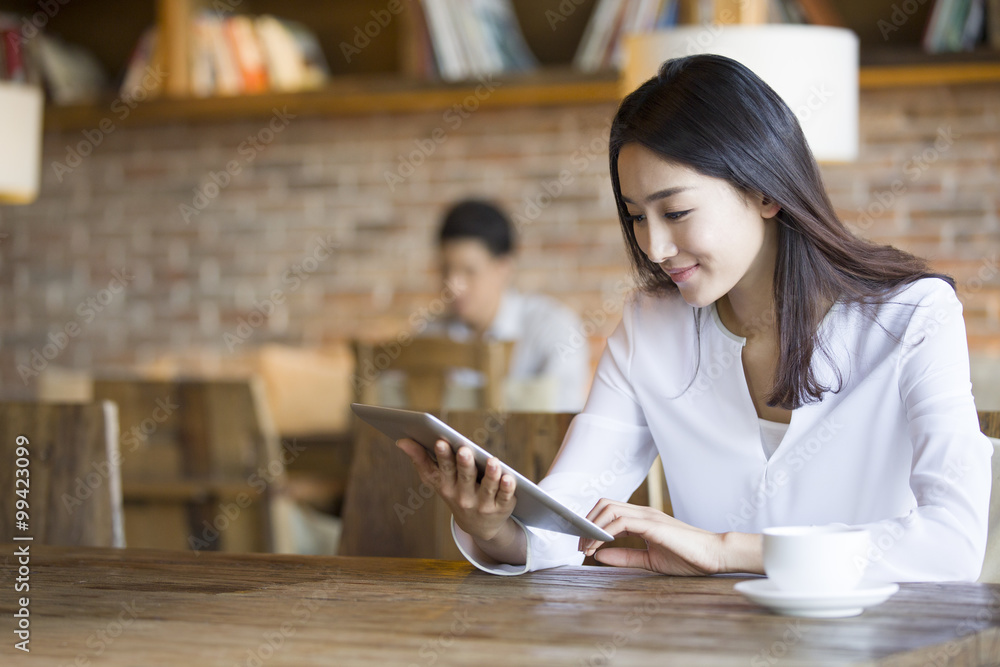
(482, 221)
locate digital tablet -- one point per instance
(534, 506)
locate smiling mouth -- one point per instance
(682, 274)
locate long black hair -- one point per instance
(715, 116)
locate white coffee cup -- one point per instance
(815, 559)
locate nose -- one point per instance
(661, 246)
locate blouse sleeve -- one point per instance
(606, 453)
(944, 537)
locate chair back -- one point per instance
(425, 363)
(72, 489)
(201, 464)
(989, 422)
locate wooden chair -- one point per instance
(382, 486)
(201, 464)
(425, 363)
(390, 512)
(989, 422)
(73, 483)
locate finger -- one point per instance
(505, 496)
(624, 526)
(422, 461)
(445, 459)
(603, 505)
(466, 471)
(618, 557)
(623, 519)
(597, 509)
(491, 483)
(604, 512)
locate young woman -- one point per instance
(786, 371)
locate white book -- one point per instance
(285, 64)
(202, 68)
(612, 54)
(640, 17)
(446, 49)
(476, 41)
(317, 69)
(227, 73)
(597, 35)
(649, 13)
(458, 12)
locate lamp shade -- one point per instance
(813, 68)
(20, 142)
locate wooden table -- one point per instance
(93, 606)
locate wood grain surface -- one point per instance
(74, 492)
(109, 607)
(989, 423)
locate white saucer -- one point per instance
(813, 605)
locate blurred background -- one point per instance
(246, 186)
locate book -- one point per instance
(202, 79)
(418, 60)
(603, 41)
(317, 69)
(669, 14)
(139, 61)
(974, 23)
(793, 12)
(934, 30)
(11, 48)
(446, 48)
(72, 75)
(477, 43)
(611, 47)
(471, 37)
(596, 35)
(228, 80)
(508, 38)
(286, 68)
(821, 12)
(246, 52)
(955, 23)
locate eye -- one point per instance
(676, 215)
(636, 219)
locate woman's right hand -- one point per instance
(482, 509)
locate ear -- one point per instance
(768, 207)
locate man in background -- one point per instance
(549, 367)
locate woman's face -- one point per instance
(704, 234)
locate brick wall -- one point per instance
(136, 251)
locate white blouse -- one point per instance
(897, 450)
(771, 434)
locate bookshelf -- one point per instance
(377, 78)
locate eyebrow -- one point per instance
(661, 194)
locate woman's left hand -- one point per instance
(672, 546)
